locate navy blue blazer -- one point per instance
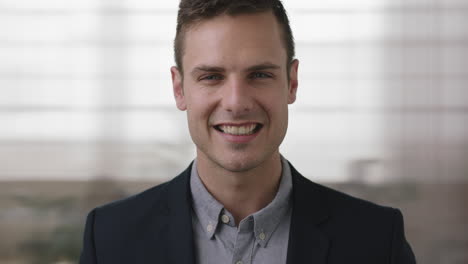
(327, 227)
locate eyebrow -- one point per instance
(263, 66)
(259, 67)
(208, 68)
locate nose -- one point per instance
(237, 97)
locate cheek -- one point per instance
(199, 109)
(276, 104)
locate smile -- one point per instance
(239, 130)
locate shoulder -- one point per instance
(153, 201)
(340, 203)
(135, 204)
(341, 209)
(359, 229)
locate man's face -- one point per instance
(235, 89)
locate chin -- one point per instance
(240, 162)
(238, 167)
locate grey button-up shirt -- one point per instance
(261, 237)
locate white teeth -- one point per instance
(238, 130)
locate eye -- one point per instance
(260, 75)
(211, 77)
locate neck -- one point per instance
(242, 193)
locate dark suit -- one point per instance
(326, 227)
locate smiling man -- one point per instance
(240, 201)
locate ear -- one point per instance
(293, 82)
(178, 89)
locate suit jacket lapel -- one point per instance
(179, 234)
(307, 243)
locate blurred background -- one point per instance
(87, 114)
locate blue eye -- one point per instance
(213, 77)
(260, 75)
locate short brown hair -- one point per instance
(193, 11)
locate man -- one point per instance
(240, 201)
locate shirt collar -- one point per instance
(206, 207)
(267, 219)
(263, 222)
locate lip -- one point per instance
(237, 124)
(238, 138)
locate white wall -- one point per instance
(85, 90)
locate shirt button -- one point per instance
(225, 218)
(209, 228)
(262, 236)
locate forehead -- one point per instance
(234, 41)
